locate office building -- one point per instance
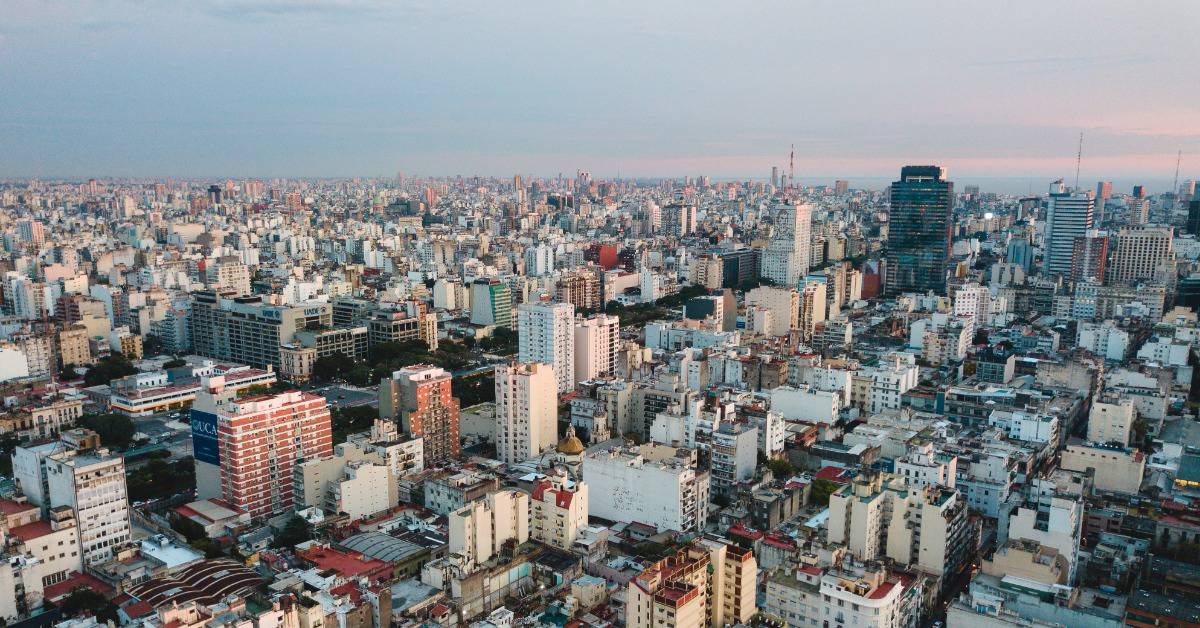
(419, 396)
(1142, 254)
(526, 411)
(546, 334)
(1068, 215)
(919, 227)
(246, 449)
(491, 303)
(248, 330)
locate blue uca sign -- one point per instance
(205, 447)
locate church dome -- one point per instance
(570, 445)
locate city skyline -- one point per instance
(227, 88)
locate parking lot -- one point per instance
(346, 396)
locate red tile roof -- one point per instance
(31, 531)
(76, 581)
(10, 507)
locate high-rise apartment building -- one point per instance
(419, 396)
(526, 411)
(782, 305)
(246, 449)
(709, 583)
(881, 515)
(785, 260)
(919, 225)
(491, 303)
(248, 330)
(228, 274)
(545, 333)
(1089, 259)
(596, 341)
(581, 289)
(1068, 216)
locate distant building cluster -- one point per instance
(574, 401)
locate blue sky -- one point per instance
(333, 87)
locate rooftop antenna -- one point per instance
(792, 167)
(1078, 160)
(1178, 158)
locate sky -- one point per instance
(265, 88)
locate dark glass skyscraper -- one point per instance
(919, 230)
(1193, 218)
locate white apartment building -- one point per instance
(1111, 421)
(526, 411)
(480, 529)
(93, 485)
(894, 375)
(596, 341)
(810, 596)
(783, 304)
(1103, 339)
(546, 334)
(559, 510)
(812, 308)
(649, 484)
(1051, 520)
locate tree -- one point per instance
(115, 430)
(821, 490)
(329, 367)
(83, 600)
(349, 420)
(294, 532)
(152, 345)
(781, 469)
(174, 364)
(475, 390)
(113, 367)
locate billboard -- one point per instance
(205, 447)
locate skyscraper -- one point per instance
(545, 333)
(1193, 217)
(419, 396)
(526, 411)
(919, 230)
(1068, 216)
(785, 260)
